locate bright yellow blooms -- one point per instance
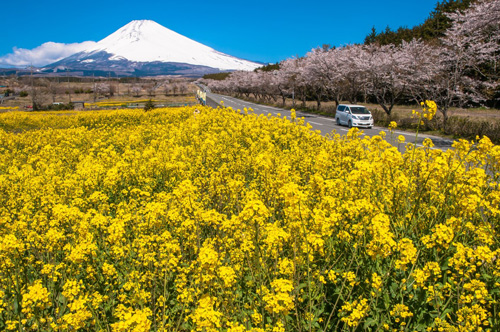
(278, 300)
(355, 311)
(393, 125)
(201, 219)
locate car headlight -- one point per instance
(355, 117)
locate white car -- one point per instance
(353, 116)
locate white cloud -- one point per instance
(42, 55)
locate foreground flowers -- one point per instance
(217, 221)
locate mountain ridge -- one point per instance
(144, 47)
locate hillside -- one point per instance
(433, 27)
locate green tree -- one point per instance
(269, 67)
(149, 105)
(432, 28)
(372, 36)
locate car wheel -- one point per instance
(338, 122)
(349, 124)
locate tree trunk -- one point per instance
(444, 111)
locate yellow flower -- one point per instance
(205, 317)
(407, 252)
(227, 274)
(355, 311)
(256, 318)
(441, 237)
(350, 278)
(376, 282)
(36, 297)
(132, 319)
(279, 299)
(400, 311)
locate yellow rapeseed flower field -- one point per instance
(201, 219)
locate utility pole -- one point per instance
(33, 103)
(109, 83)
(93, 83)
(69, 91)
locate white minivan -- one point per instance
(353, 116)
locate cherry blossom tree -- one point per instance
(387, 74)
(102, 88)
(469, 51)
(322, 67)
(167, 88)
(136, 90)
(316, 80)
(354, 64)
(183, 88)
(295, 72)
(481, 21)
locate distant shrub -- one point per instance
(59, 107)
(149, 105)
(23, 94)
(81, 90)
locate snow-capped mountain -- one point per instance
(147, 48)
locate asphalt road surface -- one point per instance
(326, 124)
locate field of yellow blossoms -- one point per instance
(201, 219)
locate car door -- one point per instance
(345, 115)
(338, 114)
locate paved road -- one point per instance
(323, 123)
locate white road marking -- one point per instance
(316, 123)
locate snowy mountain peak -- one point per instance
(138, 30)
(148, 41)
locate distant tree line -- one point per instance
(435, 26)
(217, 76)
(224, 75)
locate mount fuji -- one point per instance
(143, 48)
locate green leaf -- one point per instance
(369, 322)
(387, 300)
(16, 305)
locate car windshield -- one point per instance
(359, 110)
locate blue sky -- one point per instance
(265, 31)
